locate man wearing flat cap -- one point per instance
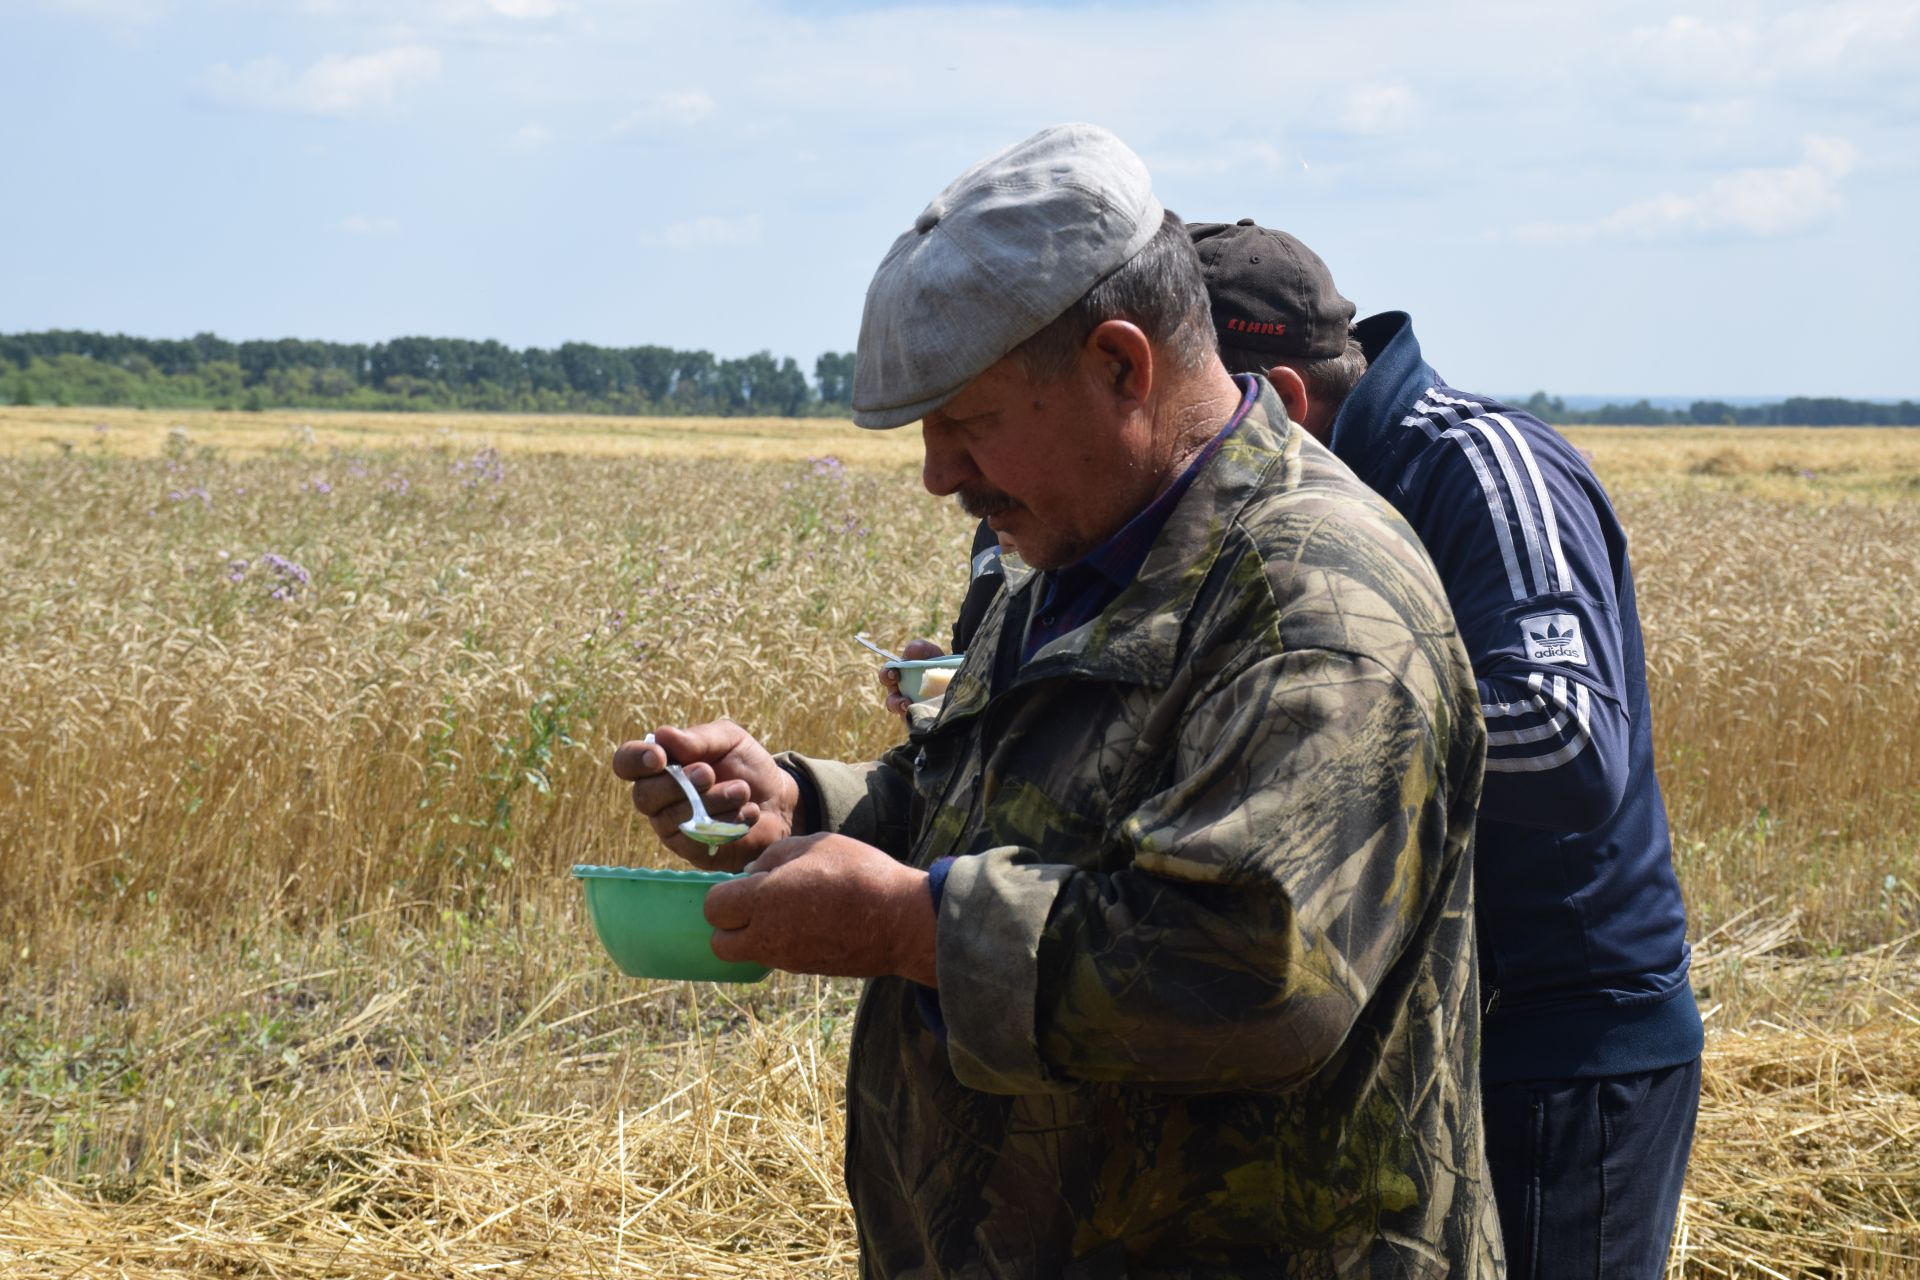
(1166, 916)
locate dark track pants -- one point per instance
(1587, 1173)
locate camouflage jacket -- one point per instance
(1206, 960)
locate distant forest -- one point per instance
(1795, 411)
(64, 366)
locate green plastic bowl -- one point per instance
(651, 922)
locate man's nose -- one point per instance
(946, 465)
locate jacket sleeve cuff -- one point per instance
(992, 912)
(928, 998)
(865, 802)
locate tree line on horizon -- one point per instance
(1794, 411)
(67, 366)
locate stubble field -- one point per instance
(303, 719)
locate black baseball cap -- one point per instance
(1270, 294)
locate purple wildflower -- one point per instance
(289, 577)
(319, 485)
(485, 466)
(195, 494)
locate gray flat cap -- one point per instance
(1008, 246)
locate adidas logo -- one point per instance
(1553, 637)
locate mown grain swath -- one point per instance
(300, 728)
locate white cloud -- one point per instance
(335, 85)
(361, 225)
(1382, 108)
(1759, 203)
(1813, 42)
(679, 108)
(1696, 52)
(529, 136)
(709, 231)
(1856, 36)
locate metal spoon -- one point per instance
(890, 657)
(702, 826)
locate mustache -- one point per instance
(983, 502)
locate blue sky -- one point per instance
(1615, 197)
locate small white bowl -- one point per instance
(914, 675)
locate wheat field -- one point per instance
(303, 719)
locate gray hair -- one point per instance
(1329, 379)
(1160, 289)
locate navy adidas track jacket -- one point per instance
(1582, 930)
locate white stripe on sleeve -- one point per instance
(1433, 402)
(1532, 704)
(1520, 737)
(1576, 742)
(1522, 508)
(1547, 517)
(1496, 507)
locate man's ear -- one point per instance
(1121, 358)
(1293, 391)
